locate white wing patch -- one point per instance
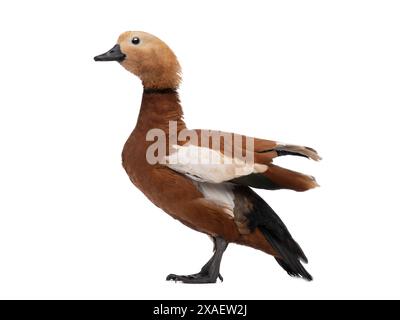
(219, 193)
(208, 165)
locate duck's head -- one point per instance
(147, 57)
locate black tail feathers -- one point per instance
(274, 230)
(290, 254)
(301, 272)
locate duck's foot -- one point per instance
(200, 277)
(210, 272)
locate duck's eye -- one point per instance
(135, 40)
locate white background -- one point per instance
(320, 73)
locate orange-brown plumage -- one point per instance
(216, 200)
(169, 190)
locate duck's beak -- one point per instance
(115, 54)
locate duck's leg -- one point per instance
(210, 271)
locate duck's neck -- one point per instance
(159, 107)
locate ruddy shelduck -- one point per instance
(204, 178)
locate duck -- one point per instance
(206, 179)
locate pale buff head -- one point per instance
(147, 57)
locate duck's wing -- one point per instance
(216, 157)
